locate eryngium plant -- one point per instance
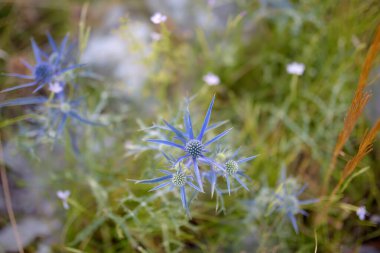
(195, 161)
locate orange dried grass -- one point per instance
(364, 148)
(358, 104)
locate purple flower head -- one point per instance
(233, 171)
(62, 109)
(57, 111)
(230, 169)
(288, 202)
(48, 68)
(177, 179)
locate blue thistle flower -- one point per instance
(57, 110)
(232, 169)
(193, 147)
(177, 179)
(62, 109)
(288, 202)
(48, 68)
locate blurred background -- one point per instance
(284, 73)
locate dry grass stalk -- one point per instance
(357, 106)
(364, 148)
(8, 202)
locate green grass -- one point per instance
(111, 214)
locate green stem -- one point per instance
(293, 87)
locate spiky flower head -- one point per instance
(232, 170)
(291, 203)
(48, 68)
(179, 179)
(194, 148)
(231, 167)
(65, 107)
(43, 72)
(288, 202)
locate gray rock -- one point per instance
(29, 228)
(118, 51)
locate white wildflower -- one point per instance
(64, 195)
(211, 79)
(361, 212)
(295, 68)
(158, 18)
(55, 87)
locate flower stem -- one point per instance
(293, 87)
(8, 202)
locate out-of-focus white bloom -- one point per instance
(155, 36)
(211, 79)
(64, 195)
(361, 212)
(295, 68)
(55, 87)
(158, 18)
(211, 3)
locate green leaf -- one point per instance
(352, 177)
(89, 230)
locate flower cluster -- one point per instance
(197, 159)
(55, 69)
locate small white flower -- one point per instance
(295, 68)
(361, 212)
(64, 195)
(155, 36)
(55, 87)
(158, 18)
(211, 79)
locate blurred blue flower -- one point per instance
(176, 179)
(288, 202)
(194, 147)
(62, 109)
(48, 69)
(55, 112)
